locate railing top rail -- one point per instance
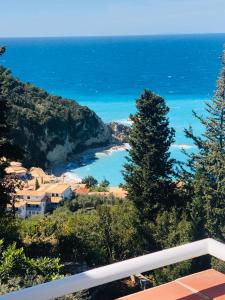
(120, 270)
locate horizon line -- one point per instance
(116, 35)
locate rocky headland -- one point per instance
(51, 129)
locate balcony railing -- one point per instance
(118, 271)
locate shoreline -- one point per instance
(67, 170)
(87, 157)
(84, 158)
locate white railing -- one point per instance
(118, 271)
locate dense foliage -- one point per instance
(151, 183)
(148, 173)
(48, 128)
(92, 184)
(80, 232)
(208, 167)
(7, 149)
(158, 213)
(18, 271)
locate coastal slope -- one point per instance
(49, 128)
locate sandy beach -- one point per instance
(68, 170)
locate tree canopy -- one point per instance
(148, 172)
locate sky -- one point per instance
(31, 18)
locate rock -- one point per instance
(119, 132)
(49, 128)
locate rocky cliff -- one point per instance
(49, 128)
(119, 132)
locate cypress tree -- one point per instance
(208, 210)
(149, 168)
(37, 185)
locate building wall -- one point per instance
(67, 194)
(32, 198)
(26, 211)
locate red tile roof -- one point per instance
(82, 190)
(206, 285)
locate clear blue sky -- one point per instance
(105, 17)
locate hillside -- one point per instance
(47, 127)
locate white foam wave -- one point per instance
(124, 122)
(183, 146)
(70, 176)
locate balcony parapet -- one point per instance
(120, 270)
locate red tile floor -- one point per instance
(206, 285)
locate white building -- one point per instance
(26, 209)
(30, 203)
(60, 191)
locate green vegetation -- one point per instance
(104, 183)
(150, 183)
(195, 210)
(7, 149)
(89, 181)
(18, 271)
(208, 166)
(48, 128)
(92, 184)
(96, 230)
(148, 173)
(79, 231)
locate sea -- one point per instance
(108, 74)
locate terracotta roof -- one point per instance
(82, 190)
(206, 285)
(30, 193)
(54, 188)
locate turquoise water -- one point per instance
(108, 73)
(109, 166)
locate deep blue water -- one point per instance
(108, 73)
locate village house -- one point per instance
(57, 191)
(30, 202)
(16, 169)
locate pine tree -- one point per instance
(148, 172)
(208, 164)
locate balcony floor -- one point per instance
(206, 285)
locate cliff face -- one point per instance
(49, 128)
(119, 132)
